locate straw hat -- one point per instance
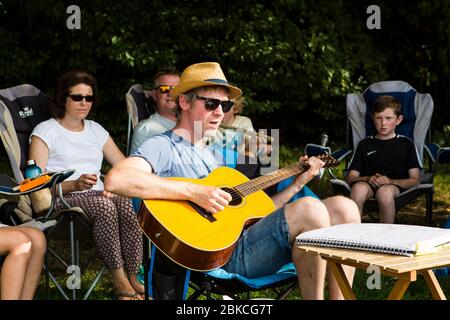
(203, 75)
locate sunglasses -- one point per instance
(164, 88)
(79, 97)
(212, 104)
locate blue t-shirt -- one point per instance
(172, 156)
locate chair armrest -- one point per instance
(432, 150)
(422, 186)
(340, 183)
(312, 149)
(443, 155)
(56, 177)
(54, 184)
(438, 154)
(39, 224)
(340, 186)
(61, 196)
(341, 154)
(56, 189)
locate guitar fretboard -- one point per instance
(266, 181)
(270, 179)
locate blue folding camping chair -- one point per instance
(417, 110)
(139, 107)
(166, 280)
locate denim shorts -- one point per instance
(263, 248)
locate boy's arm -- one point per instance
(354, 176)
(413, 180)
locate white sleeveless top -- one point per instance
(82, 151)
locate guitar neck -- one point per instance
(272, 178)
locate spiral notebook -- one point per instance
(398, 239)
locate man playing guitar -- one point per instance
(203, 96)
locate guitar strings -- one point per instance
(279, 175)
(265, 181)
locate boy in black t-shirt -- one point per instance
(386, 164)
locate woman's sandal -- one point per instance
(131, 296)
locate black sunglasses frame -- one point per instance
(212, 104)
(79, 97)
(164, 90)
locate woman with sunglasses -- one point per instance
(70, 141)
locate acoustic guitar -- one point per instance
(198, 240)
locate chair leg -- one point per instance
(58, 287)
(429, 206)
(146, 262)
(128, 135)
(72, 251)
(282, 295)
(75, 223)
(198, 291)
(208, 287)
(47, 276)
(94, 283)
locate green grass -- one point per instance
(89, 264)
(410, 214)
(418, 290)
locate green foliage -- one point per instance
(418, 290)
(294, 60)
(442, 137)
(288, 155)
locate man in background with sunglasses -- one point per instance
(202, 97)
(164, 117)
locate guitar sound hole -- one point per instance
(236, 197)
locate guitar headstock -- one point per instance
(329, 160)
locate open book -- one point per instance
(406, 240)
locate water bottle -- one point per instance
(40, 200)
(32, 170)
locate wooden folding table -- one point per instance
(405, 269)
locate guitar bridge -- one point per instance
(205, 214)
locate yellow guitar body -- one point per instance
(197, 240)
(191, 239)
